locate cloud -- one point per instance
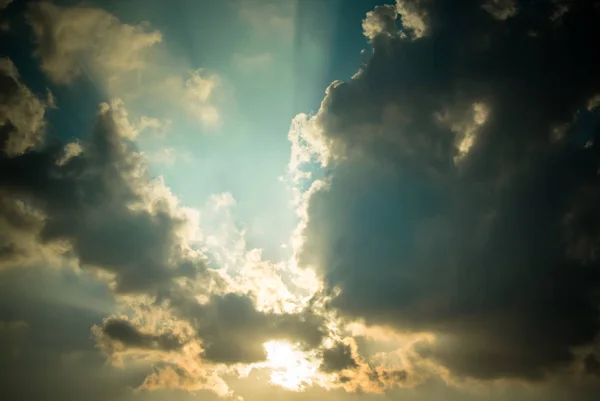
(130, 336)
(74, 199)
(380, 22)
(338, 357)
(501, 9)
(414, 17)
(92, 204)
(123, 60)
(233, 331)
(74, 40)
(449, 208)
(22, 121)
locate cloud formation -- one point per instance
(82, 197)
(455, 227)
(338, 357)
(123, 60)
(233, 331)
(21, 113)
(450, 206)
(93, 204)
(130, 336)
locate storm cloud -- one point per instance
(463, 184)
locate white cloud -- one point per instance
(124, 61)
(413, 17)
(85, 40)
(380, 21)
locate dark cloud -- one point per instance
(130, 336)
(232, 330)
(338, 357)
(21, 113)
(463, 186)
(99, 202)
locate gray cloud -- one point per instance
(131, 336)
(21, 113)
(338, 357)
(99, 202)
(232, 330)
(450, 207)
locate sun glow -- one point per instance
(290, 367)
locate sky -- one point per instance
(299, 199)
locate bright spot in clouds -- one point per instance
(290, 367)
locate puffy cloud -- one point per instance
(73, 41)
(82, 197)
(126, 61)
(21, 113)
(380, 21)
(450, 208)
(72, 200)
(414, 17)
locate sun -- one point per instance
(290, 367)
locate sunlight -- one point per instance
(290, 367)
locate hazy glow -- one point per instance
(290, 367)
